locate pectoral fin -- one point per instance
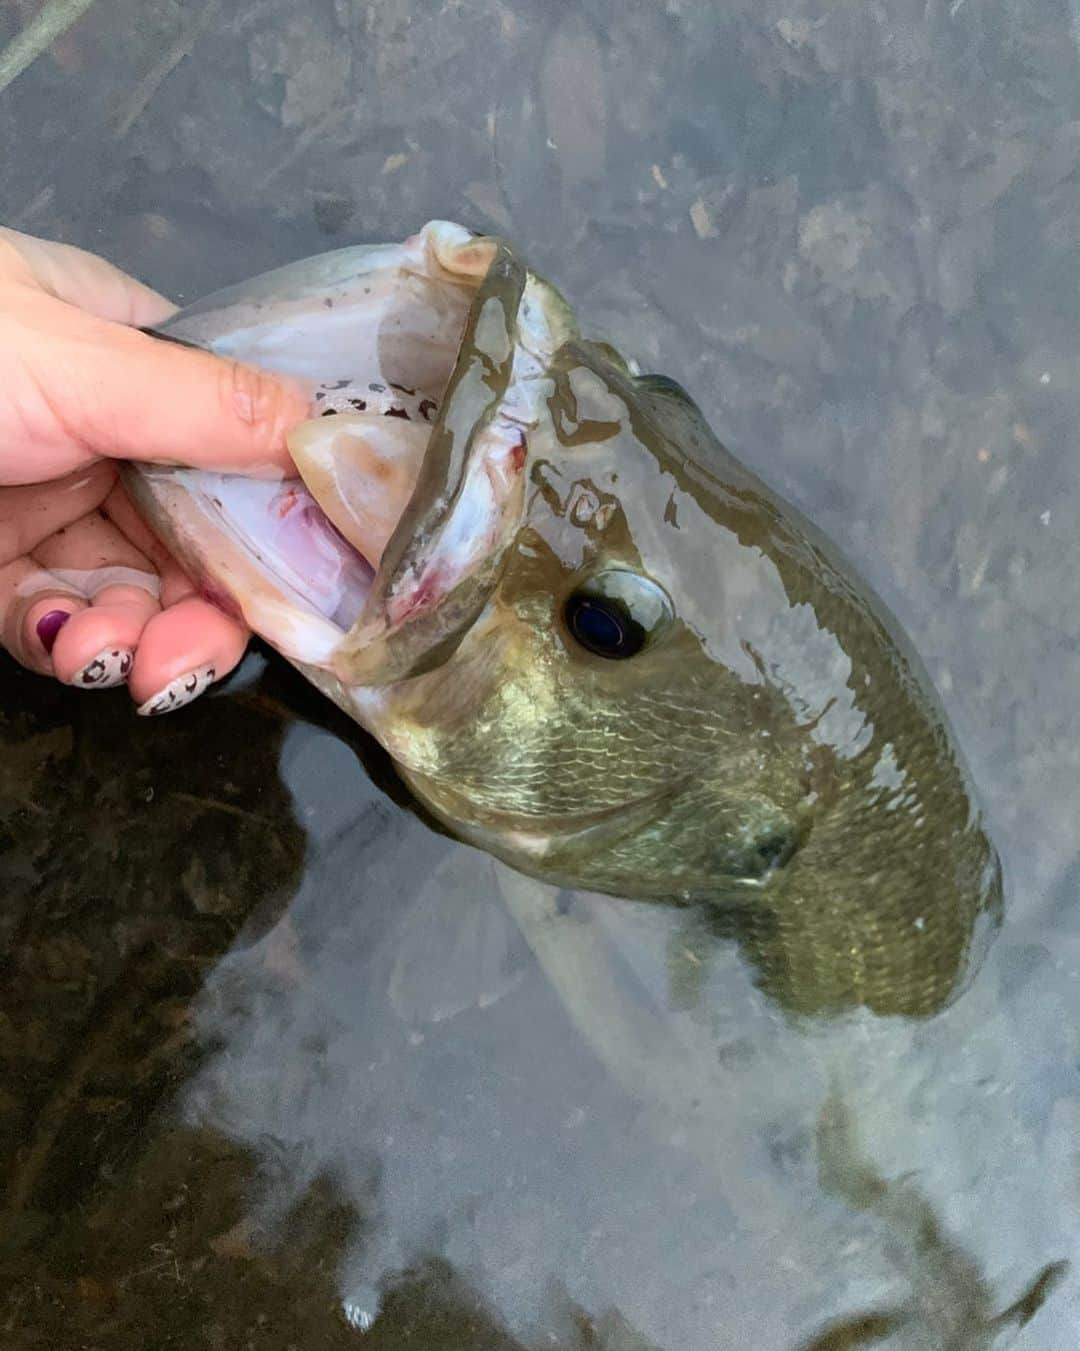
(458, 948)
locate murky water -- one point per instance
(262, 1069)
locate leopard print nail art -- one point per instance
(109, 668)
(178, 692)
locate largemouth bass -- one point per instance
(594, 643)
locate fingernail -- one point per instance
(108, 668)
(178, 692)
(49, 625)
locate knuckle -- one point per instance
(240, 391)
(252, 396)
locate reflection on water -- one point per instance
(274, 1049)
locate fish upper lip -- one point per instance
(445, 556)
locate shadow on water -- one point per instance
(130, 867)
(274, 1050)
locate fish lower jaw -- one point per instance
(451, 807)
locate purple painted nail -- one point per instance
(49, 625)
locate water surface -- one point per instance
(272, 1047)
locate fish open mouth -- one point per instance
(422, 360)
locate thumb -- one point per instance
(140, 398)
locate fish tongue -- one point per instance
(361, 469)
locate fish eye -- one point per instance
(614, 614)
(604, 627)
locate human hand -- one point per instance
(87, 593)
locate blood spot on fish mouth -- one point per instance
(427, 592)
(518, 456)
(287, 503)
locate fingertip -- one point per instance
(41, 626)
(48, 626)
(178, 648)
(96, 649)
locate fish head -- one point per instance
(594, 643)
(594, 715)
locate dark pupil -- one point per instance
(604, 627)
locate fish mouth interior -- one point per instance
(424, 362)
(376, 349)
(285, 527)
